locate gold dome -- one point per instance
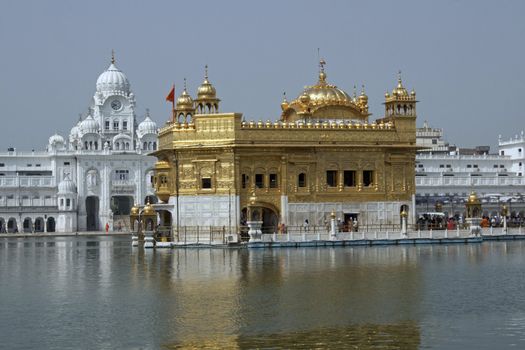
(399, 90)
(324, 101)
(148, 209)
(184, 101)
(284, 104)
(206, 89)
(323, 93)
(363, 98)
(135, 210)
(473, 198)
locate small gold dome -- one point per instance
(184, 100)
(363, 98)
(284, 104)
(473, 198)
(206, 89)
(135, 210)
(399, 90)
(148, 209)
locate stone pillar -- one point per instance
(255, 230)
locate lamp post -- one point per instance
(254, 222)
(404, 216)
(333, 231)
(504, 212)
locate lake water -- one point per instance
(100, 293)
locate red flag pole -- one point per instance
(173, 103)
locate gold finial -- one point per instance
(362, 89)
(399, 83)
(184, 84)
(322, 74)
(206, 72)
(355, 92)
(284, 95)
(112, 56)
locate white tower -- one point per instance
(67, 205)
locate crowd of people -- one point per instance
(440, 221)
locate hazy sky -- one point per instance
(465, 59)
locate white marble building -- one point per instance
(445, 173)
(92, 178)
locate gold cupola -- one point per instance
(323, 101)
(184, 101)
(363, 100)
(400, 102)
(184, 108)
(206, 101)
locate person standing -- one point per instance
(107, 227)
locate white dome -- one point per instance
(112, 80)
(147, 126)
(67, 186)
(73, 134)
(89, 125)
(55, 139)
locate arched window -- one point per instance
(181, 117)
(301, 180)
(117, 146)
(127, 145)
(154, 146)
(145, 146)
(85, 145)
(96, 145)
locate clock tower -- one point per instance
(114, 109)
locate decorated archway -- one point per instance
(265, 212)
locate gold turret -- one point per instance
(206, 101)
(400, 102)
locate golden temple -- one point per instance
(323, 155)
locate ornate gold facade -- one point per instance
(324, 150)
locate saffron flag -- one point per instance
(171, 95)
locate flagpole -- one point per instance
(173, 103)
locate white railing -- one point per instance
(469, 180)
(27, 181)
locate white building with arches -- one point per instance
(89, 180)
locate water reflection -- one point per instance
(390, 336)
(361, 297)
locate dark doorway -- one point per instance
(92, 213)
(39, 225)
(121, 205)
(12, 226)
(28, 225)
(51, 224)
